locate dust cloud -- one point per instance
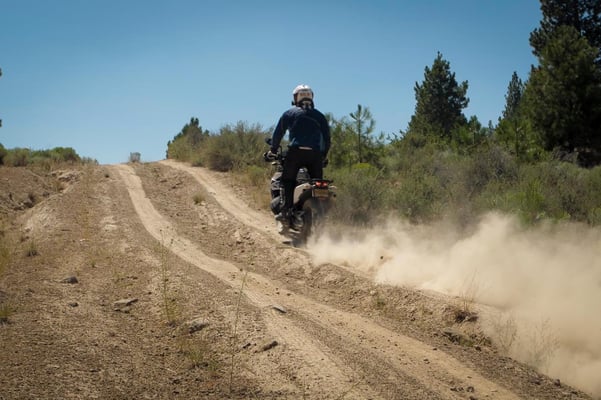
(539, 289)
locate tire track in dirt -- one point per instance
(254, 219)
(317, 368)
(229, 201)
(430, 369)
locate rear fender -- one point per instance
(302, 192)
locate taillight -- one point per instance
(321, 184)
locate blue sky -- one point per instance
(110, 77)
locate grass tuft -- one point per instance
(198, 198)
(32, 249)
(5, 254)
(6, 310)
(170, 305)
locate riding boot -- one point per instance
(286, 213)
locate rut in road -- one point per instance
(379, 361)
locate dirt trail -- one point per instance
(126, 261)
(314, 365)
(432, 369)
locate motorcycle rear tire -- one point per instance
(307, 228)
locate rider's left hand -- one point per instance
(270, 156)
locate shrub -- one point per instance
(218, 157)
(361, 194)
(46, 159)
(418, 197)
(3, 153)
(236, 146)
(592, 196)
(18, 157)
(489, 164)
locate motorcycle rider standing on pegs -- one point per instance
(309, 137)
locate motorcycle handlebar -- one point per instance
(269, 156)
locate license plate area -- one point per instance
(321, 193)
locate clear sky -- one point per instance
(111, 77)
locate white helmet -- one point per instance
(300, 93)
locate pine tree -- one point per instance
(510, 129)
(515, 91)
(362, 127)
(582, 15)
(439, 101)
(563, 96)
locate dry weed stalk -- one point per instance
(542, 344)
(470, 290)
(235, 332)
(5, 253)
(170, 306)
(505, 332)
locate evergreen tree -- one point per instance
(439, 101)
(515, 90)
(511, 128)
(187, 141)
(563, 95)
(582, 15)
(361, 128)
(340, 154)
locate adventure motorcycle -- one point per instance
(312, 199)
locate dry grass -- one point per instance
(541, 345)
(198, 350)
(256, 182)
(234, 340)
(32, 248)
(6, 310)
(198, 198)
(170, 305)
(466, 300)
(505, 332)
(5, 253)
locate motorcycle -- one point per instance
(312, 199)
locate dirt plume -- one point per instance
(540, 288)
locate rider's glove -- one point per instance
(270, 156)
(325, 162)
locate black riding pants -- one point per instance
(297, 158)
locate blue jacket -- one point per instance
(306, 127)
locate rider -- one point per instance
(309, 137)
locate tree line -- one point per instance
(556, 112)
(539, 160)
(23, 157)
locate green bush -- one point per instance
(46, 159)
(592, 196)
(489, 164)
(219, 157)
(186, 145)
(418, 197)
(258, 176)
(361, 194)
(17, 157)
(235, 147)
(181, 150)
(3, 153)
